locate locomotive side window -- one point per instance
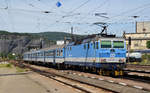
(88, 45)
(118, 44)
(84, 46)
(97, 45)
(105, 44)
(94, 45)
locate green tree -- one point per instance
(148, 44)
(11, 56)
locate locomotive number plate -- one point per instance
(111, 59)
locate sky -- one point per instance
(29, 15)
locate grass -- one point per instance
(18, 69)
(145, 62)
(21, 69)
(6, 65)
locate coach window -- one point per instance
(70, 48)
(105, 44)
(61, 52)
(57, 52)
(42, 54)
(35, 54)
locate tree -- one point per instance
(11, 56)
(148, 44)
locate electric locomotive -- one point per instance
(102, 53)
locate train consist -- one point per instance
(105, 54)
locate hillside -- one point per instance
(46, 35)
(20, 42)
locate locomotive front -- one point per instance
(112, 55)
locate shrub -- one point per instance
(148, 44)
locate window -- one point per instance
(88, 45)
(42, 53)
(49, 53)
(105, 44)
(97, 45)
(70, 48)
(136, 45)
(118, 44)
(94, 45)
(61, 52)
(57, 52)
(38, 54)
(84, 46)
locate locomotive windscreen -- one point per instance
(105, 44)
(118, 44)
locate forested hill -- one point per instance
(20, 42)
(46, 35)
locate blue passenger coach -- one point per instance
(103, 54)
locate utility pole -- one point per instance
(129, 46)
(72, 37)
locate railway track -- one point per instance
(140, 71)
(138, 67)
(137, 70)
(109, 85)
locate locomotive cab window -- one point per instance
(118, 44)
(105, 44)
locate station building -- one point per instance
(140, 37)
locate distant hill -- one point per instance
(54, 35)
(18, 43)
(46, 35)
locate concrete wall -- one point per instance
(142, 35)
(138, 44)
(143, 27)
(138, 35)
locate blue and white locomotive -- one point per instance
(105, 54)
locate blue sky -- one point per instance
(28, 15)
